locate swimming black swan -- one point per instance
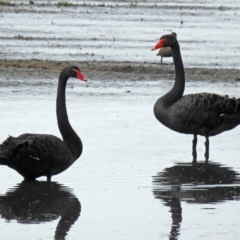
(166, 51)
(205, 114)
(36, 155)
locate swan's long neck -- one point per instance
(68, 134)
(178, 88)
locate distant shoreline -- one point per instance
(126, 71)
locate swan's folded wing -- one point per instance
(204, 110)
(35, 146)
(210, 102)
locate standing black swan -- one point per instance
(36, 155)
(205, 114)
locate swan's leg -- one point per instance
(194, 150)
(161, 60)
(207, 149)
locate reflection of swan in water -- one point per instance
(194, 183)
(37, 202)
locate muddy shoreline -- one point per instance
(12, 70)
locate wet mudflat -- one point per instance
(121, 31)
(134, 179)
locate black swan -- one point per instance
(205, 114)
(36, 155)
(166, 51)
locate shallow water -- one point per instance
(122, 31)
(133, 181)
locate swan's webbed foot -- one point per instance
(194, 150)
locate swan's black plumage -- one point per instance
(205, 114)
(36, 155)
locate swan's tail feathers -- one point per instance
(228, 122)
(232, 105)
(238, 105)
(230, 117)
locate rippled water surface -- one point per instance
(208, 32)
(134, 179)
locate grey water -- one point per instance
(134, 179)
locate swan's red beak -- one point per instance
(81, 76)
(159, 44)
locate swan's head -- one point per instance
(166, 41)
(75, 72)
(174, 34)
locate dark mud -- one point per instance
(13, 70)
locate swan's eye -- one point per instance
(75, 71)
